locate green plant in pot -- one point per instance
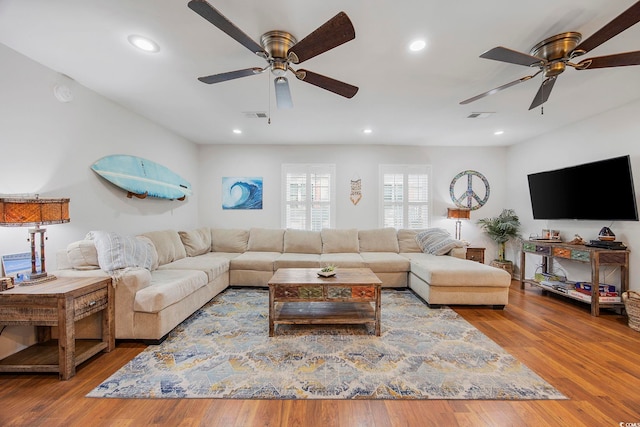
(501, 229)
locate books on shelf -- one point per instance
(586, 296)
(602, 294)
(558, 285)
(582, 290)
(602, 287)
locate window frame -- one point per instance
(308, 169)
(405, 170)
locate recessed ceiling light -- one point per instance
(237, 131)
(417, 45)
(498, 132)
(143, 43)
(367, 131)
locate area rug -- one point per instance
(224, 351)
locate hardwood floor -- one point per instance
(595, 361)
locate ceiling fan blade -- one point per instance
(212, 15)
(327, 83)
(283, 94)
(625, 20)
(618, 60)
(223, 77)
(543, 92)
(511, 56)
(333, 33)
(499, 88)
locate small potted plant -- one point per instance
(501, 229)
(327, 271)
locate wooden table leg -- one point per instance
(108, 322)
(66, 339)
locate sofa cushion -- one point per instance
(452, 271)
(339, 240)
(168, 287)
(212, 265)
(407, 240)
(229, 240)
(266, 240)
(260, 261)
(437, 241)
(385, 262)
(116, 252)
(196, 242)
(350, 260)
(378, 240)
(168, 245)
(302, 241)
(82, 255)
(294, 260)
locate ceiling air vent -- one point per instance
(255, 115)
(480, 115)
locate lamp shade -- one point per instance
(458, 213)
(19, 212)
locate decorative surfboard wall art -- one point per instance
(141, 177)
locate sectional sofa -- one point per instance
(162, 277)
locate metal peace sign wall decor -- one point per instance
(473, 197)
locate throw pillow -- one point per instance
(82, 255)
(437, 241)
(168, 245)
(116, 252)
(196, 242)
(154, 253)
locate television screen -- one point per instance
(601, 190)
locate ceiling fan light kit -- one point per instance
(552, 55)
(281, 49)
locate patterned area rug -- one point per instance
(224, 351)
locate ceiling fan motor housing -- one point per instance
(556, 51)
(277, 44)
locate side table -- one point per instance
(475, 254)
(60, 302)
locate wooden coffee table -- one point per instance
(299, 296)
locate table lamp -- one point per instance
(22, 212)
(458, 214)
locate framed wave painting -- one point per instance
(241, 193)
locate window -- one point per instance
(405, 196)
(308, 196)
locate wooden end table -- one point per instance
(475, 253)
(60, 302)
(299, 296)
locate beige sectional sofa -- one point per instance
(191, 267)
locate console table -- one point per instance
(60, 302)
(596, 257)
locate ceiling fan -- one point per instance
(280, 49)
(552, 55)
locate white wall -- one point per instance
(47, 147)
(611, 134)
(351, 162)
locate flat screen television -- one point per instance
(601, 190)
